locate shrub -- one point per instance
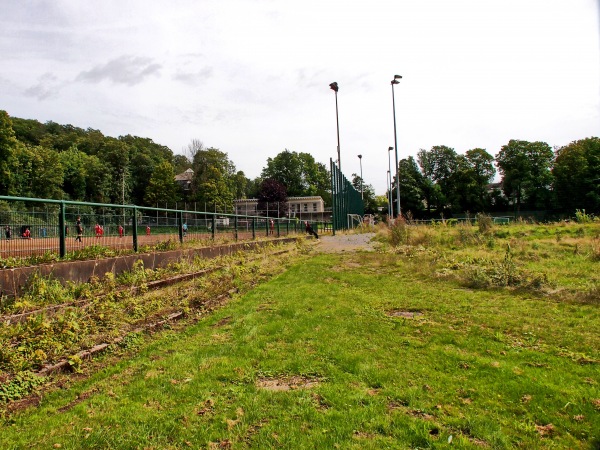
(485, 223)
(41, 291)
(582, 217)
(467, 235)
(399, 233)
(503, 274)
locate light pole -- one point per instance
(390, 206)
(334, 86)
(390, 182)
(393, 82)
(361, 181)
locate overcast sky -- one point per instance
(251, 77)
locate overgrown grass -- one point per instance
(380, 352)
(560, 260)
(107, 309)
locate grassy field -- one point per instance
(453, 337)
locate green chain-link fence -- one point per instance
(32, 226)
(345, 199)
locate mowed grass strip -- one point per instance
(345, 351)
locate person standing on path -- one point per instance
(79, 228)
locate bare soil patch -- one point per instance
(286, 384)
(406, 314)
(224, 321)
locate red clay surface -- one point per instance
(19, 248)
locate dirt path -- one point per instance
(342, 242)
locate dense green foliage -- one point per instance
(65, 162)
(533, 178)
(299, 173)
(525, 168)
(577, 175)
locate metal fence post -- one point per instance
(213, 226)
(180, 225)
(235, 226)
(61, 230)
(135, 230)
(253, 228)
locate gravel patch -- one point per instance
(347, 243)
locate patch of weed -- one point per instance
(19, 386)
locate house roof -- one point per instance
(185, 176)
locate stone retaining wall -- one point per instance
(12, 281)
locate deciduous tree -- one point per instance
(213, 179)
(300, 173)
(162, 187)
(577, 175)
(272, 198)
(35, 164)
(474, 171)
(411, 187)
(525, 169)
(438, 166)
(8, 147)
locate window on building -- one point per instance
(314, 207)
(305, 207)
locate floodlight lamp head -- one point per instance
(359, 156)
(334, 86)
(390, 149)
(394, 81)
(397, 77)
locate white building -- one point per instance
(307, 207)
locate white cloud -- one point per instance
(127, 69)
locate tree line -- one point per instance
(533, 177)
(49, 160)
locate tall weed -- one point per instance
(42, 291)
(505, 273)
(399, 233)
(485, 223)
(467, 235)
(595, 253)
(582, 217)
